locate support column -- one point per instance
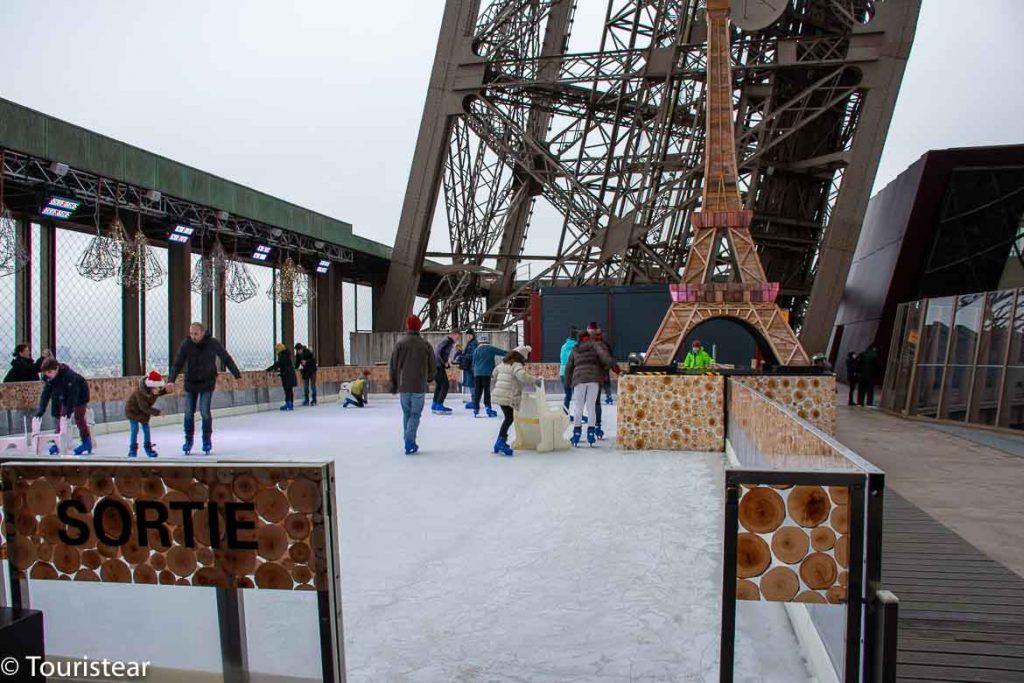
(288, 324)
(48, 287)
(179, 295)
(442, 103)
(220, 323)
(131, 353)
(23, 289)
(330, 344)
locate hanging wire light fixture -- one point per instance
(304, 291)
(101, 258)
(240, 285)
(140, 268)
(211, 267)
(283, 287)
(13, 255)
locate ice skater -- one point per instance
(597, 336)
(198, 356)
(23, 367)
(484, 359)
(410, 370)
(586, 367)
(139, 408)
(305, 363)
(358, 392)
(68, 390)
(563, 356)
(442, 354)
(286, 370)
(465, 361)
(509, 379)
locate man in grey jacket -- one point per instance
(410, 370)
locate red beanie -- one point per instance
(413, 323)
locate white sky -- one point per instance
(318, 102)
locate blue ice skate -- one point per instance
(84, 448)
(410, 447)
(608, 400)
(207, 445)
(591, 437)
(133, 450)
(186, 447)
(501, 447)
(491, 412)
(52, 448)
(149, 450)
(598, 432)
(577, 432)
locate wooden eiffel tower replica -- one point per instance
(723, 277)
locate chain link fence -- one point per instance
(155, 351)
(250, 325)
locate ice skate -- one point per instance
(305, 403)
(313, 402)
(577, 432)
(148, 449)
(133, 450)
(410, 447)
(348, 402)
(608, 400)
(502, 448)
(186, 447)
(471, 406)
(84, 448)
(492, 413)
(598, 432)
(591, 436)
(440, 409)
(207, 445)
(52, 448)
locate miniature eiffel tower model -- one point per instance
(723, 277)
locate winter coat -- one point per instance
(201, 359)
(23, 370)
(563, 354)
(139, 406)
(412, 365)
(852, 369)
(467, 356)
(588, 362)
(285, 369)
(443, 352)
(67, 388)
(484, 359)
(599, 339)
(867, 364)
(697, 361)
(358, 388)
(306, 362)
(509, 380)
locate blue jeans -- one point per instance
(309, 384)
(568, 392)
(133, 438)
(203, 399)
(412, 408)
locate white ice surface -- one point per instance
(457, 565)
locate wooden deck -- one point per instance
(961, 613)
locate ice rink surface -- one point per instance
(458, 565)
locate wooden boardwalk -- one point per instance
(961, 613)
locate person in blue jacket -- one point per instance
(484, 358)
(563, 356)
(466, 363)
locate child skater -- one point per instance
(139, 408)
(510, 378)
(358, 392)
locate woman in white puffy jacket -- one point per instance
(510, 377)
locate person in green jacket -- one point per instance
(697, 358)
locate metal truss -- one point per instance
(94, 190)
(613, 141)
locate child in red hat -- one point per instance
(139, 408)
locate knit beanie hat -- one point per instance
(154, 380)
(523, 351)
(593, 326)
(413, 323)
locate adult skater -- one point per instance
(68, 390)
(198, 356)
(305, 361)
(465, 361)
(484, 359)
(597, 336)
(587, 365)
(23, 367)
(867, 364)
(442, 354)
(563, 356)
(852, 375)
(411, 368)
(286, 370)
(697, 358)
(509, 379)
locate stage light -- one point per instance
(262, 253)
(59, 207)
(323, 266)
(181, 234)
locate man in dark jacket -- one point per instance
(442, 354)
(286, 370)
(867, 365)
(23, 368)
(70, 391)
(305, 361)
(411, 368)
(852, 375)
(199, 352)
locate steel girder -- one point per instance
(613, 140)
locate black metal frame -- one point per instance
(230, 610)
(864, 515)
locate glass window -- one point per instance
(929, 385)
(995, 328)
(1012, 410)
(967, 328)
(1017, 334)
(935, 335)
(954, 401)
(985, 400)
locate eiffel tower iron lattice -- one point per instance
(597, 152)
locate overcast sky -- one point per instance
(318, 102)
